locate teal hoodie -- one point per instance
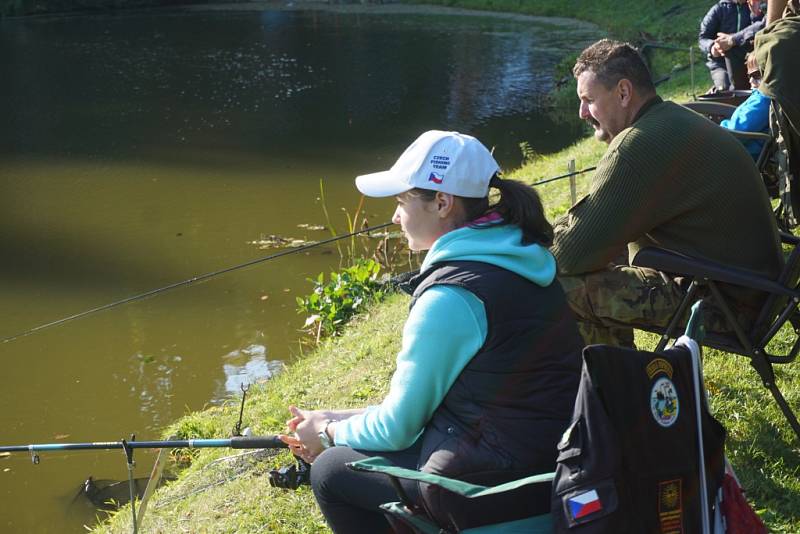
(432, 357)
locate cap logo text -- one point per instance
(440, 162)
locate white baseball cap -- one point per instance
(441, 161)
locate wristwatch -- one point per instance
(324, 438)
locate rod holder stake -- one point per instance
(131, 464)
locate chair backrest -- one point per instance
(731, 98)
(719, 111)
(715, 111)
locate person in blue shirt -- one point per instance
(752, 115)
(489, 363)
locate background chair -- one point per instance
(777, 161)
(766, 161)
(731, 98)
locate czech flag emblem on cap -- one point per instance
(584, 504)
(436, 178)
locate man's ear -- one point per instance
(625, 92)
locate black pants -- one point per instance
(734, 74)
(349, 499)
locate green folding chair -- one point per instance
(404, 517)
(407, 517)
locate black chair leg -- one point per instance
(672, 327)
(764, 369)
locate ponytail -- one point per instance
(520, 205)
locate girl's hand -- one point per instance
(296, 420)
(306, 425)
(297, 448)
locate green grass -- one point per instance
(664, 20)
(354, 369)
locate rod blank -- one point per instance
(240, 442)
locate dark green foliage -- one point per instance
(333, 303)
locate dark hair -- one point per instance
(519, 204)
(612, 61)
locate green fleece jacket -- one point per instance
(674, 180)
(778, 56)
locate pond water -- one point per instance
(142, 149)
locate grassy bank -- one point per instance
(668, 20)
(232, 495)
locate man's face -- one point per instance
(601, 107)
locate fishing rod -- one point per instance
(236, 442)
(286, 477)
(562, 176)
(194, 279)
(206, 276)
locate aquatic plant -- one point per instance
(331, 304)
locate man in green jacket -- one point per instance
(669, 178)
(777, 50)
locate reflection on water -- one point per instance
(143, 149)
(247, 366)
(150, 382)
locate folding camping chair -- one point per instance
(779, 312)
(778, 161)
(767, 157)
(731, 97)
(718, 112)
(666, 451)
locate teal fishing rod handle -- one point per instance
(257, 442)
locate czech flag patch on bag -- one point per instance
(584, 504)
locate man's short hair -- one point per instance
(612, 61)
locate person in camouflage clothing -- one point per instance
(669, 178)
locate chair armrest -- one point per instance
(788, 239)
(750, 136)
(377, 464)
(674, 262)
(716, 109)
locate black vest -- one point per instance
(629, 462)
(503, 416)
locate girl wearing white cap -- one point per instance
(490, 359)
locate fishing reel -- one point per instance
(291, 476)
(287, 477)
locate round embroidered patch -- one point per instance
(664, 402)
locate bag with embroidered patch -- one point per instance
(628, 463)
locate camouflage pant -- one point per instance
(609, 303)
